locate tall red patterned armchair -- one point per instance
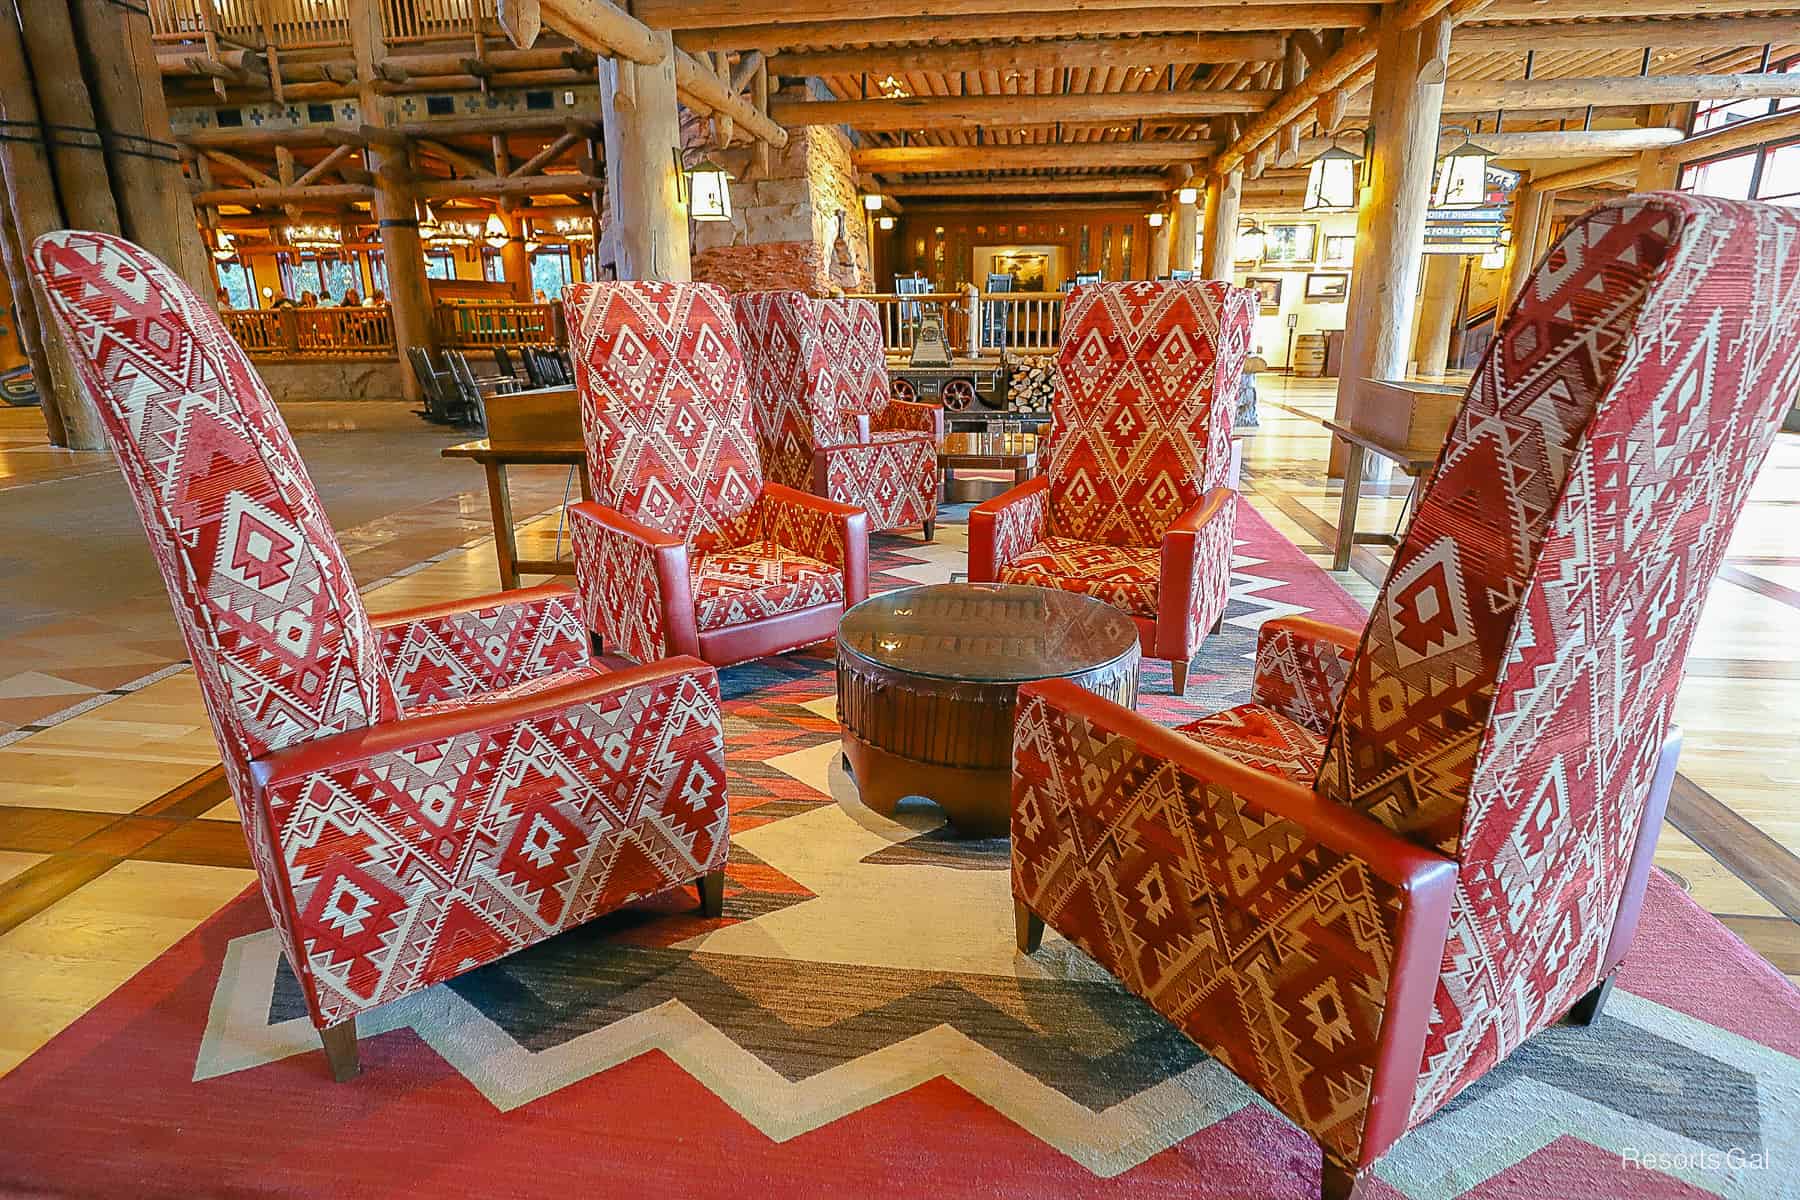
(424, 792)
(1135, 506)
(825, 421)
(687, 548)
(1428, 839)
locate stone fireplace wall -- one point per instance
(784, 231)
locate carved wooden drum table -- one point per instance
(928, 678)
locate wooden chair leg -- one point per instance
(1337, 1183)
(1178, 671)
(930, 528)
(1587, 1009)
(340, 1049)
(1219, 624)
(1029, 927)
(712, 892)
(594, 646)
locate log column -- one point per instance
(1159, 249)
(1437, 311)
(1408, 99)
(1183, 237)
(515, 262)
(1529, 206)
(155, 207)
(396, 211)
(1223, 195)
(648, 232)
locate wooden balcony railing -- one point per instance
(366, 332)
(466, 324)
(975, 323)
(314, 24)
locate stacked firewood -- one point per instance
(1030, 382)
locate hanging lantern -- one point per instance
(709, 192)
(1155, 219)
(1187, 195)
(316, 239)
(575, 230)
(493, 232)
(1331, 181)
(1462, 176)
(1250, 242)
(224, 248)
(872, 202)
(886, 223)
(429, 229)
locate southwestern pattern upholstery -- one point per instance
(824, 420)
(1135, 504)
(421, 793)
(687, 547)
(1504, 718)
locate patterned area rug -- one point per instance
(859, 1024)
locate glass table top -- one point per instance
(986, 632)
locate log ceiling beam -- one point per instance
(256, 196)
(1096, 185)
(1066, 22)
(969, 112)
(917, 160)
(332, 161)
(721, 14)
(535, 185)
(1611, 171)
(232, 162)
(549, 154)
(1475, 95)
(1624, 35)
(1148, 51)
(1740, 136)
(469, 165)
(1535, 10)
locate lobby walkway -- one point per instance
(117, 836)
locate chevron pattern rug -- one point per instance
(859, 1024)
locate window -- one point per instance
(1716, 114)
(550, 271)
(239, 285)
(1769, 173)
(439, 264)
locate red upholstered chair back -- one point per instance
(664, 407)
(1140, 427)
(776, 330)
(278, 635)
(1516, 679)
(849, 363)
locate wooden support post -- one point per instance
(30, 168)
(643, 136)
(759, 96)
(142, 161)
(396, 213)
(1437, 309)
(1410, 66)
(1529, 207)
(1159, 249)
(1223, 195)
(1185, 236)
(1655, 171)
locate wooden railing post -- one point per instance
(973, 306)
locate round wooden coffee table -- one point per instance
(928, 678)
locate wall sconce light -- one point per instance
(709, 192)
(872, 201)
(1187, 195)
(1251, 241)
(493, 232)
(224, 248)
(1462, 176)
(1333, 177)
(886, 223)
(1155, 219)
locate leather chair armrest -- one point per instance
(906, 414)
(1301, 668)
(1005, 527)
(636, 593)
(1284, 856)
(1195, 573)
(461, 648)
(823, 529)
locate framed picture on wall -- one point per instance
(1267, 289)
(1290, 244)
(1339, 250)
(1334, 285)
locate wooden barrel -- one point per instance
(1309, 355)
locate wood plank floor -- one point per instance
(117, 835)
